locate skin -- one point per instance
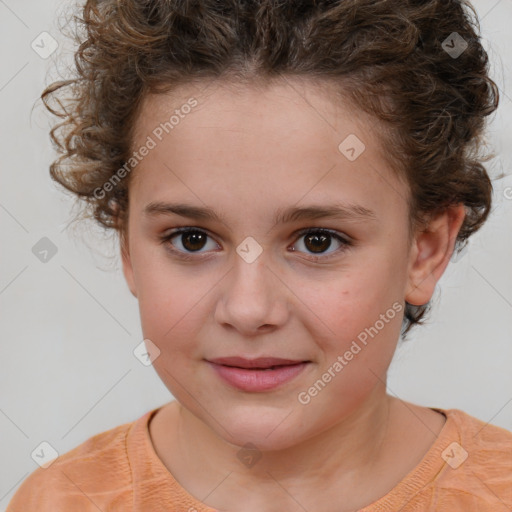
(246, 152)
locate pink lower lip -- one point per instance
(258, 380)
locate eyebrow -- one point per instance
(351, 212)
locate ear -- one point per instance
(431, 252)
(127, 262)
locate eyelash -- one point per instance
(345, 243)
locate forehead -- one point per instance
(293, 137)
(281, 107)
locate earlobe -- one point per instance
(431, 253)
(127, 265)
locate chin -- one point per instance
(266, 428)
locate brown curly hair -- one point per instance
(388, 56)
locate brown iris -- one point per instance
(317, 242)
(196, 238)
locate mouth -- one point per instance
(260, 363)
(257, 375)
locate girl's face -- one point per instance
(249, 171)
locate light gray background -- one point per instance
(69, 325)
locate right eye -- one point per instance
(191, 240)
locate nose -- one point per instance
(252, 298)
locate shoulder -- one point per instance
(484, 442)
(478, 460)
(85, 478)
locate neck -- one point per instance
(341, 457)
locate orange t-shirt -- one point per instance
(468, 468)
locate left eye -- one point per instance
(319, 240)
(192, 240)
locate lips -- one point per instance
(257, 375)
(260, 362)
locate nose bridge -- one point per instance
(251, 296)
(251, 276)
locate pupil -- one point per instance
(318, 242)
(196, 240)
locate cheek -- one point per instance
(173, 304)
(361, 315)
(170, 309)
(353, 299)
(364, 326)
(161, 292)
(172, 320)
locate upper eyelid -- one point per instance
(300, 231)
(342, 238)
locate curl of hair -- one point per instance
(386, 56)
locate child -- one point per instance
(289, 181)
